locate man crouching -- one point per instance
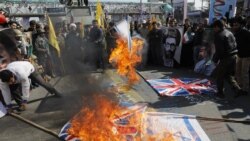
(17, 74)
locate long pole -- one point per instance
(141, 10)
(34, 125)
(202, 3)
(184, 10)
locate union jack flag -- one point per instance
(64, 135)
(182, 86)
(119, 123)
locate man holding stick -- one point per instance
(17, 74)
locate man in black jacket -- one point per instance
(225, 56)
(242, 36)
(96, 39)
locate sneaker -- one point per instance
(220, 95)
(22, 107)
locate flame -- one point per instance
(165, 136)
(104, 122)
(126, 59)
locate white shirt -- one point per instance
(22, 71)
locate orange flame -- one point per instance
(126, 59)
(101, 123)
(166, 136)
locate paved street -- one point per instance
(78, 90)
(203, 105)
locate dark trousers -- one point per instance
(37, 78)
(96, 55)
(16, 93)
(2, 99)
(226, 71)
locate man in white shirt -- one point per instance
(20, 73)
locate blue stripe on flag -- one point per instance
(191, 129)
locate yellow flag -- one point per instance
(82, 28)
(99, 14)
(154, 19)
(52, 37)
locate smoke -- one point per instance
(79, 80)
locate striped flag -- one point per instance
(182, 86)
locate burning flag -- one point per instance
(126, 59)
(123, 30)
(127, 54)
(106, 120)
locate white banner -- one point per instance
(123, 29)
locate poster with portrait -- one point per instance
(172, 46)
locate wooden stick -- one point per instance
(34, 125)
(222, 120)
(215, 119)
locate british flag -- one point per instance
(119, 123)
(65, 136)
(182, 86)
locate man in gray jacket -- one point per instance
(226, 57)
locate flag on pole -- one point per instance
(82, 28)
(99, 14)
(52, 37)
(123, 29)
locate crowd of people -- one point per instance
(219, 49)
(26, 54)
(25, 59)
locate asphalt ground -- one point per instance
(78, 90)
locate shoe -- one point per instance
(241, 93)
(10, 110)
(220, 95)
(22, 107)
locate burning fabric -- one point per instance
(105, 121)
(114, 123)
(182, 86)
(125, 59)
